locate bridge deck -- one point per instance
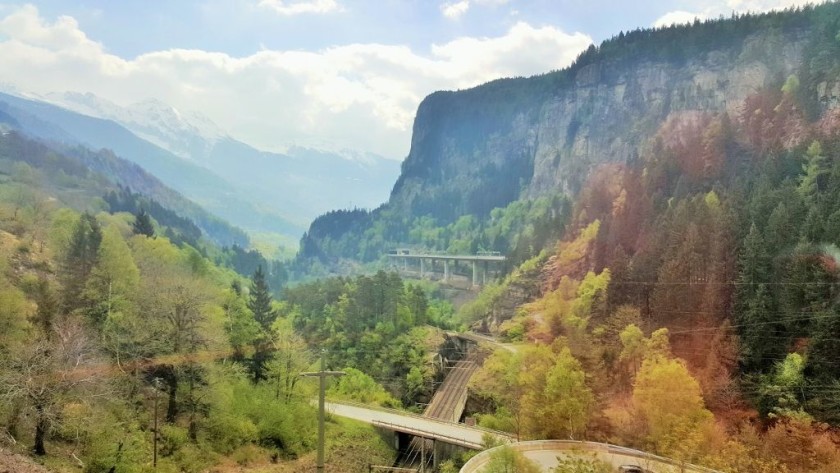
(437, 256)
(447, 432)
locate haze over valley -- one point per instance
(457, 236)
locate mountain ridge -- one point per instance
(488, 147)
(265, 180)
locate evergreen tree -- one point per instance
(755, 260)
(260, 301)
(79, 260)
(760, 334)
(781, 231)
(143, 224)
(755, 305)
(816, 171)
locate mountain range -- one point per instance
(261, 192)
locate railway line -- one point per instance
(449, 400)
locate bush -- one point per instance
(227, 432)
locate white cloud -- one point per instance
(298, 7)
(756, 6)
(360, 96)
(524, 50)
(727, 7)
(678, 17)
(453, 11)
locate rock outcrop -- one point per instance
(484, 147)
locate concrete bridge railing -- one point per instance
(429, 257)
(409, 419)
(545, 453)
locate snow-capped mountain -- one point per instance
(297, 185)
(188, 135)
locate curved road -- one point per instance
(545, 453)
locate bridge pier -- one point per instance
(428, 265)
(435, 455)
(475, 274)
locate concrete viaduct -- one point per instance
(480, 263)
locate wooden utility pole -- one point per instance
(156, 383)
(322, 381)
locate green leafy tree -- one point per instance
(507, 460)
(14, 311)
(633, 347)
(780, 392)
(240, 325)
(578, 464)
(668, 401)
(290, 357)
(359, 387)
(114, 280)
(568, 400)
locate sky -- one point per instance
(329, 73)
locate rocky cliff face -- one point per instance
(612, 111)
(481, 148)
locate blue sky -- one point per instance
(130, 27)
(343, 73)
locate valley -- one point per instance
(628, 263)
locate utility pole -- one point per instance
(156, 388)
(322, 389)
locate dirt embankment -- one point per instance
(15, 463)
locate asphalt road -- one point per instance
(450, 432)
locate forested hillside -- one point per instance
(118, 315)
(57, 125)
(673, 199)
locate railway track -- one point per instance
(447, 403)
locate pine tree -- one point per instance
(260, 300)
(143, 224)
(79, 260)
(755, 260)
(755, 306)
(815, 172)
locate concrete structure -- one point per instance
(545, 453)
(476, 338)
(480, 263)
(398, 421)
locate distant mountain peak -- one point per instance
(186, 134)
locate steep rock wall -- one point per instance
(481, 148)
